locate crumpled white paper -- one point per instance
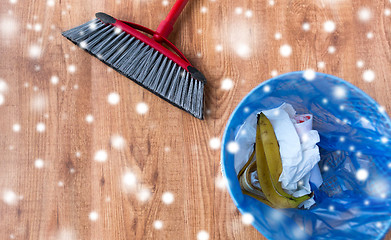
(298, 150)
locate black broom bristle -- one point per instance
(141, 63)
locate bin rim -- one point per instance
(227, 126)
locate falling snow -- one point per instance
(221, 182)
(83, 44)
(71, 68)
(168, 198)
(117, 142)
(360, 64)
(50, 3)
(266, 88)
(219, 48)
(38, 103)
(35, 51)
(248, 13)
(242, 50)
(204, 10)
(93, 216)
(227, 84)
(387, 12)
(285, 50)
(368, 75)
(89, 118)
(113, 98)
(247, 218)
(10, 198)
(54, 80)
(271, 2)
(37, 27)
(214, 143)
(364, 14)
(129, 180)
(329, 26)
(331, 49)
(158, 224)
(321, 65)
(2, 99)
(3, 86)
(306, 26)
(384, 140)
(144, 194)
(370, 35)
(277, 36)
(165, 3)
(40, 127)
(233, 147)
(309, 74)
(202, 235)
(339, 92)
(39, 163)
(362, 174)
(238, 10)
(100, 156)
(16, 127)
(142, 108)
(8, 27)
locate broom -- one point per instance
(127, 48)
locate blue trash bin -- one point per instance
(355, 138)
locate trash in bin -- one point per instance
(355, 160)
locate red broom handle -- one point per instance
(166, 26)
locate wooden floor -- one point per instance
(77, 164)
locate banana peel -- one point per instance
(268, 165)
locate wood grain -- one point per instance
(166, 149)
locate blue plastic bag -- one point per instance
(354, 200)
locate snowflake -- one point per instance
(321, 65)
(92, 26)
(8, 27)
(233, 147)
(384, 140)
(339, 92)
(221, 182)
(331, 49)
(93, 216)
(271, 2)
(351, 148)
(13, 1)
(129, 180)
(204, 9)
(387, 12)
(34, 51)
(117, 31)
(227, 84)
(202, 235)
(16, 127)
(168, 198)
(306, 26)
(277, 36)
(60, 184)
(266, 88)
(219, 48)
(331, 208)
(83, 44)
(285, 50)
(117, 142)
(75, 86)
(37, 27)
(238, 10)
(246, 109)
(274, 73)
(39, 163)
(248, 14)
(54, 80)
(50, 3)
(100, 156)
(364, 14)
(214, 143)
(113, 98)
(370, 35)
(165, 3)
(247, 218)
(89, 118)
(40, 127)
(368, 75)
(38, 103)
(366, 202)
(144, 194)
(142, 108)
(167, 149)
(243, 50)
(325, 168)
(157, 224)
(10, 198)
(325, 101)
(329, 26)
(71, 68)
(3, 86)
(309, 74)
(360, 64)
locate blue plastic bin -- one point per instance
(355, 136)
